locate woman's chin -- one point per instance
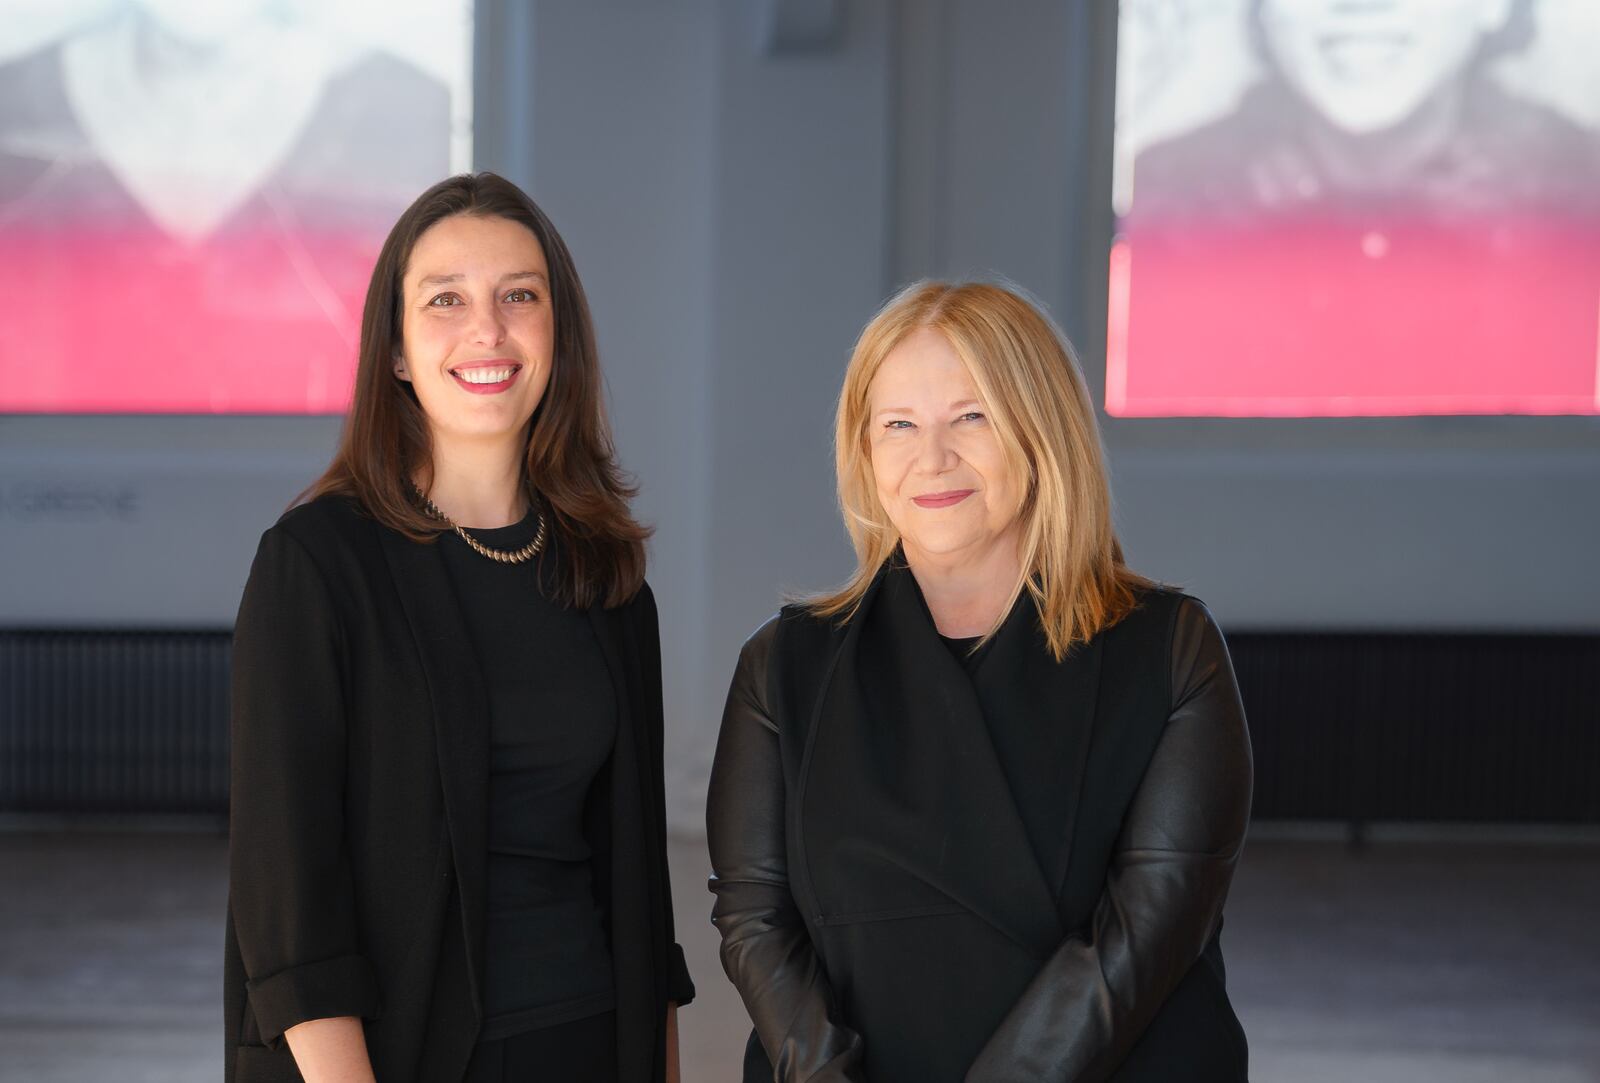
(482, 427)
(946, 545)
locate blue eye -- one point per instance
(898, 423)
(971, 415)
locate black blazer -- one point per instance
(359, 809)
(920, 935)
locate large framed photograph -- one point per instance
(192, 194)
(1337, 209)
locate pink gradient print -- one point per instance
(117, 317)
(162, 257)
(1315, 317)
(1375, 223)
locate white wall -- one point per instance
(142, 521)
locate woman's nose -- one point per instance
(488, 328)
(936, 452)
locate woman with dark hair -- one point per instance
(448, 853)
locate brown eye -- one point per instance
(444, 300)
(521, 296)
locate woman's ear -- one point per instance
(400, 369)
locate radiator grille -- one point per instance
(1490, 728)
(1502, 728)
(114, 721)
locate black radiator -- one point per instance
(114, 722)
(1494, 728)
(1353, 727)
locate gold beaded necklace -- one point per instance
(504, 556)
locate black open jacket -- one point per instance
(359, 825)
(885, 913)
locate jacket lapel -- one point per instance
(632, 900)
(461, 725)
(900, 730)
(1076, 702)
(1060, 697)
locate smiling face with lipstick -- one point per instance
(942, 475)
(478, 399)
(963, 820)
(966, 442)
(477, 525)
(478, 329)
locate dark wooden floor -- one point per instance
(1408, 961)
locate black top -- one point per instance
(552, 724)
(359, 826)
(1505, 160)
(1029, 746)
(963, 648)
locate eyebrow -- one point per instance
(440, 280)
(514, 276)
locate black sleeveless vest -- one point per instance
(927, 902)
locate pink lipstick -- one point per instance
(944, 499)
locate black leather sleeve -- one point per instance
(766, 950)
(1164, 889)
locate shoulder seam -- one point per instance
(1172, 638)
(323, 581)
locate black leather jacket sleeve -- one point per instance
(1164, 890)
(766, 950)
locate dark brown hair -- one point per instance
(570, 468)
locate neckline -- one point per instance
(512, 536)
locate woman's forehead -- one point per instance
(933, 380)
(464, 245)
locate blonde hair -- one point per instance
(1036, 399)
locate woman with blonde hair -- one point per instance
(974, 815)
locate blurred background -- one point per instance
(1332, 268)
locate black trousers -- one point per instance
(582, 1051)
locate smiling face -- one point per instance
(941, 473)
(1368, 66)
(478, 329)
